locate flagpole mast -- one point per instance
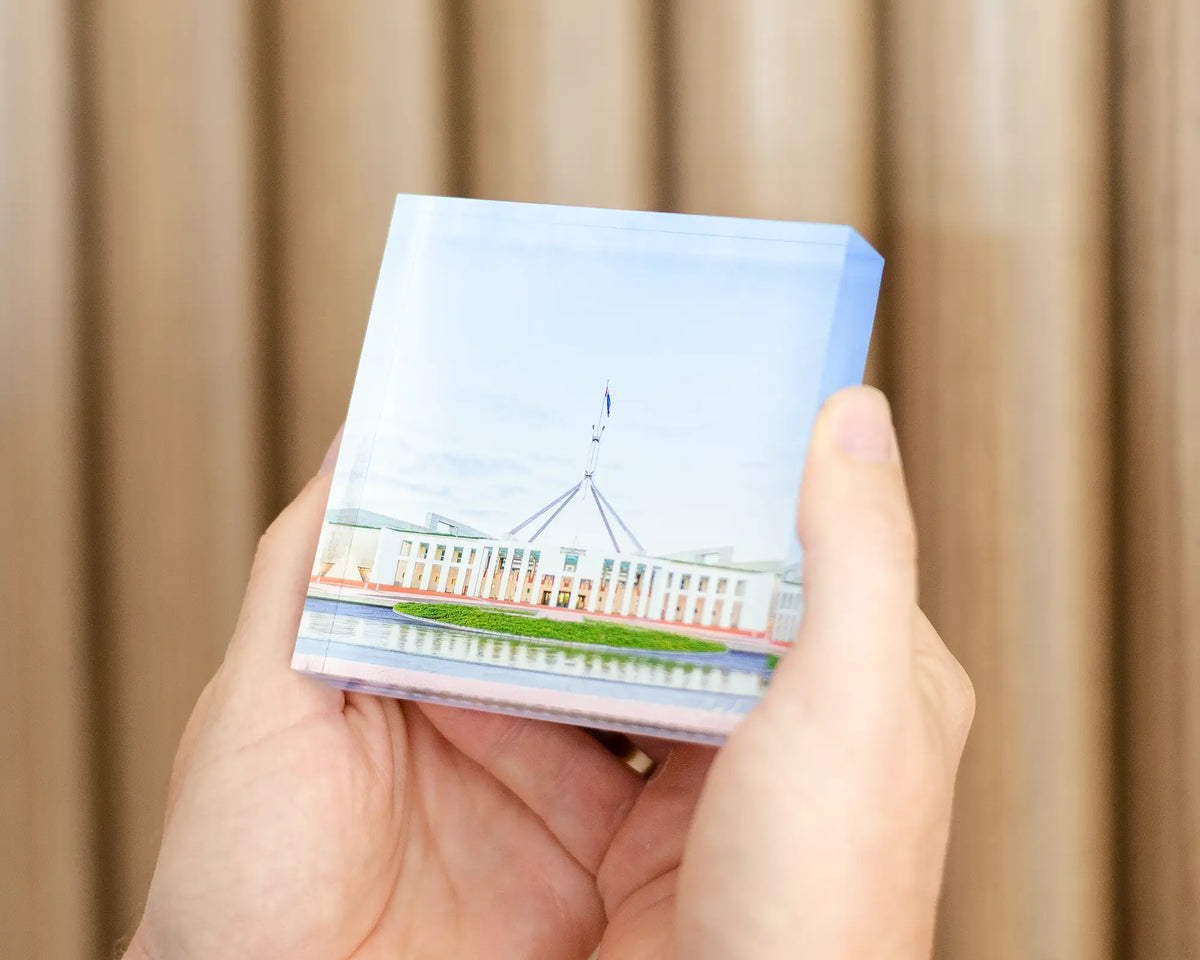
(585, 486)
(589, 469)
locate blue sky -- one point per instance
(495, 327)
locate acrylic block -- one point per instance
(567, 483)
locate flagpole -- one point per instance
(597, 432)
(586, 486)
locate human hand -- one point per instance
(823, 826)
(821, 831)
(304, 822)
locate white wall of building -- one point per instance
(593, 581)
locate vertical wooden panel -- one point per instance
(998, 179)
(773, 114)
(179, 381)
(773, 109)
(362, 116)
(1160, 557)
(46, 864)
(561, 102)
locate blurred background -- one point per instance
(193, 204)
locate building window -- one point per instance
(718, 607)
(585, 591)
(564, 591)
(735, 615)
(606, 570)
(740, 589)
(422, 551)
(624, 566)
(570, 562)
(518, 556)
(722, 584)
(702, 586)
(440, 552)
(472, 560)
(435, 576)
(458, 552)
(497, 572)
(698, 612)
(680, 605)
(401, 568)
(405, 548)
(530, 576)
(685, 581)
(547, 589)
(418, 573)
(670, 580)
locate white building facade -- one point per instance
(698, 593)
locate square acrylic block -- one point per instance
(567, 483)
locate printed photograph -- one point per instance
(568, 477)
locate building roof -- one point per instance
(358, 517)
(434, 523)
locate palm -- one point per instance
(374, 828)
(304, 822)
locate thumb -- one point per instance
(856, 528)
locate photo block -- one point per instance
(567, 483)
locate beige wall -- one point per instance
(193, 202)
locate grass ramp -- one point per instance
(567, 631)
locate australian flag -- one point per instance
(607, 402)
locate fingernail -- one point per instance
(864, 427)
(331, 454)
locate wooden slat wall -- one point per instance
(999, 292)
(46, 869)
(179, 387)
(768, 111)
(766, 115)
(560, 102)
(1159, 340)
(194, 199)
(361, 115)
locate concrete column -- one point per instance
(627, 600)
(612, 586)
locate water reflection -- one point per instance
(451, 644)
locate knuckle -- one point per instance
(960, 694)
(276, 531)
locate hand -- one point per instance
(823, 826)
(304, 822)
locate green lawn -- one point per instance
(543, 628)
(514, 612)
